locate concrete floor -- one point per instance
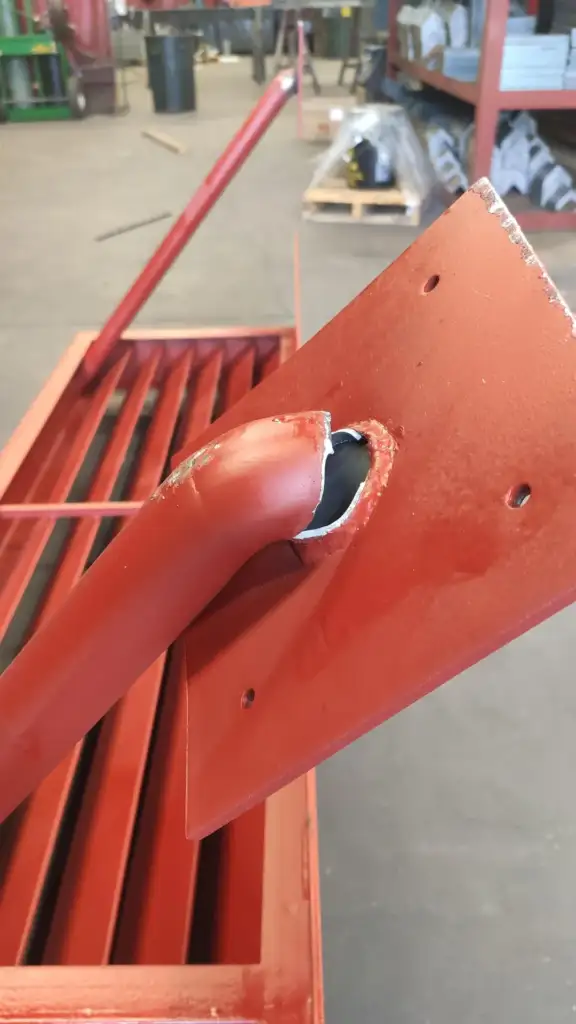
(448, 837)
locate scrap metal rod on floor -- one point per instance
(133, 226)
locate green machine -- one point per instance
(37, 82)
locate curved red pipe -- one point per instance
(257, 484)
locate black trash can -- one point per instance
(171, 72)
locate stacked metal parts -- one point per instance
(522, 162)
(503, 58)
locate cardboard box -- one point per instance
(323, 115)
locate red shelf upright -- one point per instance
(488, 100)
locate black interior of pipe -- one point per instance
(346, 469)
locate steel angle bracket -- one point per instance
(465, 352)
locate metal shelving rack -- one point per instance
(488, 100)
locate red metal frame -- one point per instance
(285, 987)
(488, 99)
(128, 887)
(94, 866)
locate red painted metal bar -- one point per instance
(70, 510)
(266, 475)
(36, 429)
(487, 105)
(157, 907)
(203, 397)
(219, 336)
(537, 99)
(72, 566)
(467, 91)
(239, 911)
(239, 378)
(231, 160)
(297, 287)
(84, 917)
(509, 99)
(39, 473)
(34, 477)
(41, 816)
(16, 581)
(285, 348)
(96, 863)
(28, 482)
(547, 220)
(290, 932)
(238, 924)
(270, 364)
(311, 857)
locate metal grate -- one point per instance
(94, 867)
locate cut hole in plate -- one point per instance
(519, 495)
(345, 473)
(431, 284)
(248, 698)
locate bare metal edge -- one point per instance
(495, 205)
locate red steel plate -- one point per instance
(466, 352)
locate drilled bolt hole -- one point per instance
(519, 495)
(431, 284)
(248, 698)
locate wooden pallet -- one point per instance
(335, 203)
